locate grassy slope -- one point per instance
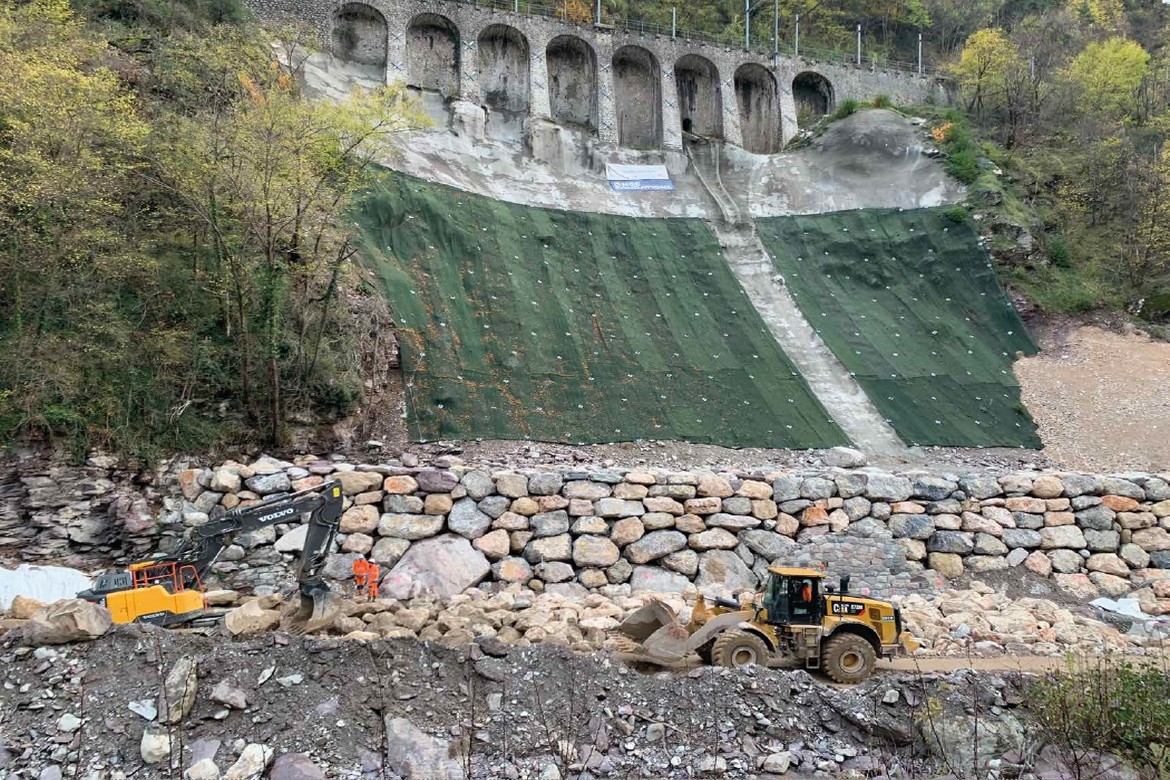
(521, 322)
(910, 304)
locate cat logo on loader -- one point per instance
(792, 623)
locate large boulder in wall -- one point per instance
(445, 566)
(722, 573)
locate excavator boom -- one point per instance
(167, 588)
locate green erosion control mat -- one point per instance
(910, 304)
(521, 322)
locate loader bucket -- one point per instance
(641, 624)
(908, 643)
(652, 634)
(317, 611)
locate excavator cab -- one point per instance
(152, 591)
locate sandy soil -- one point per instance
(1101, 398)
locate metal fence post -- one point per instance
(775, 32)
(673, 22)
(599, 11)
(919, 54)
(859, 44)
(747, 25)
(796, 48)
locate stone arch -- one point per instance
(572, 81)
(700, 99)
(637, 93)
(360, 35)
(813, 95)
(758, 98)
(503, 69)
(432, 54)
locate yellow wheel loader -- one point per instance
(793, 623)
(168, 589)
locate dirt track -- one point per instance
(1099, 397)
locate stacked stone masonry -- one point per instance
(444, 527)
(641, 91)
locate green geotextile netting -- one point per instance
(522, 322)
(908, 301)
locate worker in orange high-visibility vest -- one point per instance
(361, 574)
(373, 576)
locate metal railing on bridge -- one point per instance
(730, 40)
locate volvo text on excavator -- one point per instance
(168, 588)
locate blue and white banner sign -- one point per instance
(638, 178)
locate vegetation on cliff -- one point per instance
(172, 255)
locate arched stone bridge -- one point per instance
(636, 91)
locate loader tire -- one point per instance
(734, 649)
(848, 659)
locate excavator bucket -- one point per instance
(317, 611)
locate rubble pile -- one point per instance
(149, 703)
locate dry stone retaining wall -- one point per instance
(446, 526)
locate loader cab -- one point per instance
(793, 596)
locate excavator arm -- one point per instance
(207, 542)
(163, 588)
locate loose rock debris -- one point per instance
(410, 709)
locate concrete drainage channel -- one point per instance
(828, 379)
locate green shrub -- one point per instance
(1064, 291)
(1058, 252)
(846, 108)
(964, 165)
(957, 214)
(1107, 706)
(883, 101)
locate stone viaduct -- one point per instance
(636, 91)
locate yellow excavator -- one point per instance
(792, 623)
(167, 589)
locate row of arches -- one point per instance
(433, 63)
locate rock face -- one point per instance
(413, 755)
(295, 766)
(444, 566)
(967, 744)
(724, 572)
(155, 746)
(179, 690)
(71, 620)
(251, 763)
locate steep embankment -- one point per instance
(910, 304)
(519, 322)
(528, 323)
